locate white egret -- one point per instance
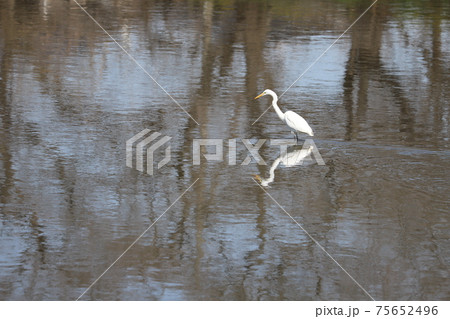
(292, 119)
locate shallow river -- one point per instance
(371, 222)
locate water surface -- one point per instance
(378, 102)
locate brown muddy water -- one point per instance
(378, 102)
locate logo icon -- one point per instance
(143, 145)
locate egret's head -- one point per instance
(258, 178)
(263, 93)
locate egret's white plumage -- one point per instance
(292, 119)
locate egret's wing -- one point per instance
(298, 123)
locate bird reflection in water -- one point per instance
(291, 158)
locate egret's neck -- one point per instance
(277, 108)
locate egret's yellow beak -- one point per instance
(259, 95)
(257, 178)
